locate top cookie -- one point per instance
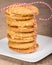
(22, 10)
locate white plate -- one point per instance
(45, 48)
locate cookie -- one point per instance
(22, 18)
(29, 50)
(14, 22)
(21, 45)
(16, 34)
(22, 10)
(21, 29)
(20, 39)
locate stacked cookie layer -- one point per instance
(20, 21)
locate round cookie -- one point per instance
(20, 39)
(13, 22)
(18, 17)
(16, 35)
(29, 50)
(21, 45)
(21, 29)
(22, 10)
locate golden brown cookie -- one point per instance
(20, 39)
(21, 45)
(22, 11)
(14, 22)
(21, 29)
(16, 34)
(29, 50)
(22, 18)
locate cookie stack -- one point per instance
(20, 31)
